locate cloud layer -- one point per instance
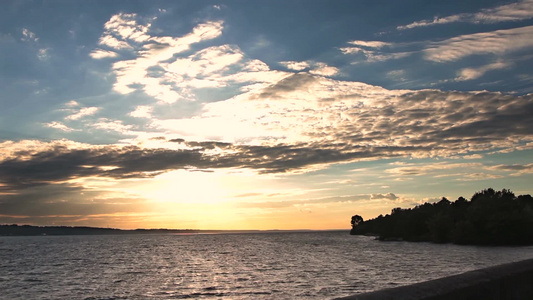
(518, 11)
(308, 122)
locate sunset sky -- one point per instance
(259, 114)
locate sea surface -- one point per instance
(308, 265)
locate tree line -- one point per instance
(489, 218)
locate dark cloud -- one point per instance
(62, 199)
(388, 196)
(61, 163)
(357, 114)
(289, 84)
(514, 167)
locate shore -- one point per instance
(513, 281)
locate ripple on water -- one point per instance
(312, 265)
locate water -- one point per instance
(311, 265)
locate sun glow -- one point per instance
(183, 186)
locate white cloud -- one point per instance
(60, 126)
(206, 62)
(125, 26)
(521, 10)
(303, 108)
(162, 71)
(435, 21)
(295, 65)
(474, 73)
(85, 111)
(113, 42)
(323, 69)
(72, 103)
(370, 44)
(153, 54)
(142, 112)
(317, 68)
(372, 52)
(99, 54)
(43, 54)
(495, 42)
(256, 65)
(112, 125)
(28, 36)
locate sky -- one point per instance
(259, 114)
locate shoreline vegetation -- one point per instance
(492, 218)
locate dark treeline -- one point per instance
(18, 230)
(489, 218)
(29, 230)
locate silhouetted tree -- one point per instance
(489, 218)
(356, 220)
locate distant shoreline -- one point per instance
(31, 230)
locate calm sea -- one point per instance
(310, 265)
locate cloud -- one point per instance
(388, 196)
(151, 52)
(120, 31)
(295, 65)
(142, 111)
(478, 176)
(164, 69)
(516, 169)
(113, 125)
(309, 122)
(70, 204)
(372, 52)
(83, 112)
(125, 26)
(196, 71)
(62, 161)
(100, 54)
(474, 73)
(430, 169)
(435, 21)
(72, 103)
(317, 68)
(28, 36)
(370, 44)
(463, 171)
(60, 126)
(43, 54)
(518, 11)
(496, 42)
(304, 108)
(323, 69)
(397, 75)
(114, 43)
(304, 203)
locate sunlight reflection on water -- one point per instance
(311, 265)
